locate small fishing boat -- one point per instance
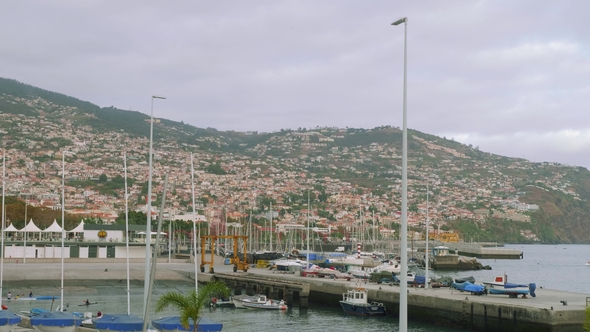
(258, 302)
(355, 302)
(215, 302)
(240, 299)
(268, 305)
(500, 285)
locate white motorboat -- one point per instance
(391, 266)
(268, 305)
(258, 302)
(239, 300)
(500, 285)
(289, 265)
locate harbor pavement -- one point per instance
(182, 270)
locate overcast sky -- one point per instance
(512, 77)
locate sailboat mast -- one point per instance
(3, 225)
(308, 208)
(426, 258)
(194, 221)
(148, 232)
(63, 208)
(127, 233)
(146, 314)
(250, 233)
(270, 227)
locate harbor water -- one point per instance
(560, 267)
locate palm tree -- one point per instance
(190, 305)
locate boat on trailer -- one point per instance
(501, 286)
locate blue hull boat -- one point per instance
(356, 302)
(366, 309)
(55, 321)
(8, 317)
(118, 322)
(469, 287)
(172, 324)
(502, 287)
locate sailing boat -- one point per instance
(8, 319)
(121, 322)
(172, 323)
(58, 321)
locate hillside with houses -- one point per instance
(352, 175)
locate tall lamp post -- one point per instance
(403, 291)
(426, 258)
(148, 232)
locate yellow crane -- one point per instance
(239, 264)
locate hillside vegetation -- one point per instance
(480, 195)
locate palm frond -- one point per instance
(190, 305)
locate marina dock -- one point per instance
(551, 310)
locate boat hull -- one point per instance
(121, 323)
(55, 321)
(512, 292)
(8, 320)
(265, 306)
(172, 324)
(363, 309)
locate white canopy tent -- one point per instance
(31, 228)
(11, 228)
(79, 228)
(55, 229)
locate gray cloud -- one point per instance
(509, 77)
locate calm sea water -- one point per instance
(559, 267)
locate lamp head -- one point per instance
(158, 97)
(400, 21)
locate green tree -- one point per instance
(190, 305)
(102, 178)
(135, 218)
(216, 169)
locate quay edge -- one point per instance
(441, 306)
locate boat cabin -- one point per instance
(440, 251)
(357, 295)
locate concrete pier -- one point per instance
(444, 306)
(441, 306)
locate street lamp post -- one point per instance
(403, 292)
(148, 232)
(426, 256)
